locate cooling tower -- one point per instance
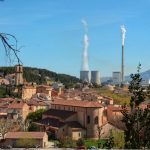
(85, 76)
(95, 77)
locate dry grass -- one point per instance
(119, 98)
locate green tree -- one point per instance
(80, 142)
(33, 127)
(118, 139)
(35, 116)
(137, 132)
(66, 142)
(109, 144)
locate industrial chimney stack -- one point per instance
(123, 31)
(122, 65)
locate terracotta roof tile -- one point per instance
(29, 87)
(17, 135)
(77, 103)
(114, 108)
(17, 105)
(60, 114)
(38, 102)
(7, 100)
(52, 122)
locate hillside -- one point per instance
(40, 76)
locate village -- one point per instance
(60, 113)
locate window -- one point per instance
(88, 119)
(79, 134)
(96, 120)
(105, 113)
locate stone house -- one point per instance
(28, 92)
(114, 113)
(87, 114)
(59, 123)
(4, 103)
(44, 89)
(18, 109)
(26, 139)
(108, 127)
(36, 104)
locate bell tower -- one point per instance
(18, 74)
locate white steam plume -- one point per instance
(85, 65)
(123, 32)
(85, 25)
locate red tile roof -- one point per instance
(77, 103)
(17, 105)
(29, 87)
(59, 114)
(18, 135)
(38, 102)
(114, 108)
(7, 100)
(54, 93)
(44, 86)
(51, 122)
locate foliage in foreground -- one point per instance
(136, 119)
(66, 142)
(5, 126)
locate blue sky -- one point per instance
(51, 33)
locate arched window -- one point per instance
(88, 119)
(96, 120)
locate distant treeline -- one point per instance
(41, 76)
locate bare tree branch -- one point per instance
(4, 37)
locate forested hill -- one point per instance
(41, 75)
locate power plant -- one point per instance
(116, 77)
(95, 77)
(123, 31)
(85, 74)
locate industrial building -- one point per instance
(95, 77)
(85, 76)
(116, 77)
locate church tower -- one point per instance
(18, 74)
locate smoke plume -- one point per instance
(85, 25)
(85, 65)
(123, 32)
